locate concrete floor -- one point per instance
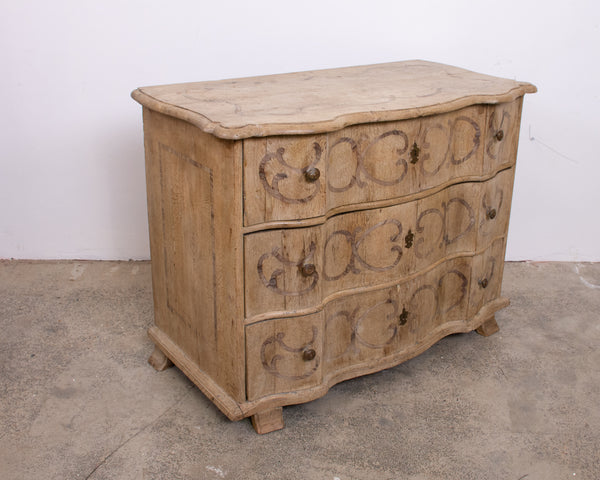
(79, 401)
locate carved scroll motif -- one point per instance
(271, 363)
(273, 188)
(273, 283)
(414, 305)
(442, 215)
(435, 289)
(355, 322)
(362, 175)
(449, 154)
(355, 239)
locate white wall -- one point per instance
(71, 165)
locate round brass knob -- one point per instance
(483, 283)
(491, 213)
(308, 354)
(312, 174)
(308, 269)
(499, 135)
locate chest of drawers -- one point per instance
(312, 227)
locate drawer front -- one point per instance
(296, 177)
(284, 355)
(373, 325)
(502, 134)
(487, 276)
(291, 354)
(290, 269)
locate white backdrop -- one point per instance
(71, 164)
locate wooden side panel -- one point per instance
(195, 216)
(284, 355)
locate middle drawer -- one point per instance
(297, 268)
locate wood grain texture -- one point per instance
(371, 247)
(362, 164)
(489, 327)
(268, 421)
(327, 100)
(196, 260)
(365, 220)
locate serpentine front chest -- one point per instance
(312, 227)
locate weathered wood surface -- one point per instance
(290, 270)
(327, 100)
(285, 264)
(194, 209)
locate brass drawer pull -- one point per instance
(414, 153)
(403, 318)
(308, 354)
(483, 283)
(408, 240)
(499, 135)
(312, 174)
(308, 269)
(491, 213)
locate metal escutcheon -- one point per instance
(403, 318)
(414, 153)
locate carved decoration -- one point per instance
(273, 284)
(271, 362)
(442, 215)
(362, 174)
(397, 320)
(273, 187)
(355, 239)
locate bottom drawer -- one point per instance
(291, 354)
(284, 355)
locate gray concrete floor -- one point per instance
(79, 401)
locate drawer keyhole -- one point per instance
(403, 318)
(408, 240)
(414, 153)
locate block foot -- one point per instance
(489, 327)
(159, 360)
(268, 420)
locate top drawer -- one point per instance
(304, 176)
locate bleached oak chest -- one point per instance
(312, 227)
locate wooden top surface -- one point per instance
(326, 100)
